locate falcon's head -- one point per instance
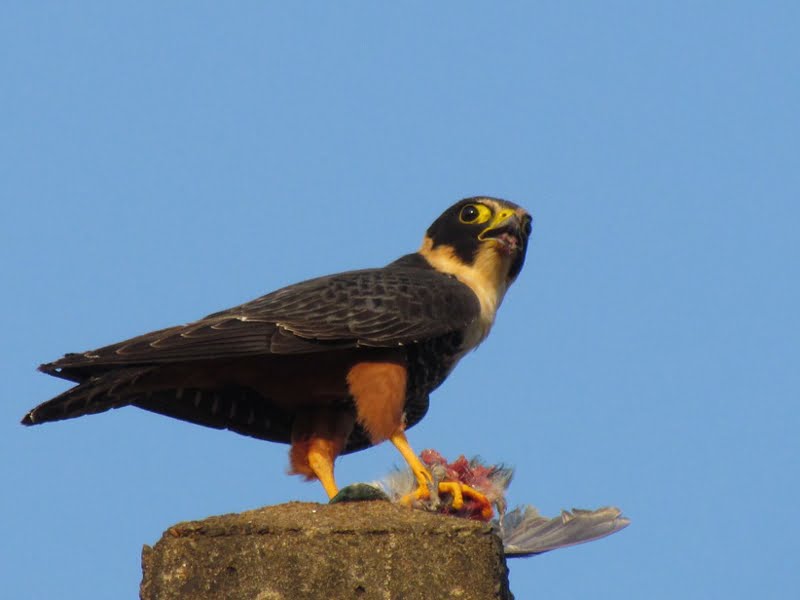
(486, 235)
(482, 242)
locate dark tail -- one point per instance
(94, 395)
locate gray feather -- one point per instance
(525, 532)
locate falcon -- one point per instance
(331, 365)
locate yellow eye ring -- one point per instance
(473, 214)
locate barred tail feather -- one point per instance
(94, 395)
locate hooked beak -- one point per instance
(506, 231)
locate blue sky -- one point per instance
(159, 162)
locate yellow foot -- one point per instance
(423, 491)
(459, 491)
(421, 474)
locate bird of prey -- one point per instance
(331, 365)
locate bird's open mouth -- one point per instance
(506, 239)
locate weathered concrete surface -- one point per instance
(358, 550)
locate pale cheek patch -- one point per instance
(379, 392)
(486, 277)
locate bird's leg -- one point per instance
(320, 461)
(317, 439)
(424, 479)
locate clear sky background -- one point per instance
(161, 161)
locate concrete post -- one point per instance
(300, 550)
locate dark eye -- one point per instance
(527, 227)
(469, 213)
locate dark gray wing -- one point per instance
(386, 307)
